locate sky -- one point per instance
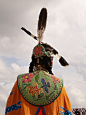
(65, 31)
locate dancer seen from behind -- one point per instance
(39, 92)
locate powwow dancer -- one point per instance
(39, 92)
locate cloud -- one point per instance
(15, 47)
(9, 74)
(5, 89)
(4, 93)
(82, 70)
(75, 86)
(3, 97)
(2, 110)
(78, 97)
(74, 82)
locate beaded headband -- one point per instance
(40, 51)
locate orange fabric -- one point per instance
(28, 109)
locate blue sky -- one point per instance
(65, 31)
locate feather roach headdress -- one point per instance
(43, 49)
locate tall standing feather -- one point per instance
(41, 24)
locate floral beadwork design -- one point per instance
(27, 77)
(34, 90)
(39, 88)
(55, 79)
(45, 85)
(38, 51)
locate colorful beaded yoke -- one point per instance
(39, 88)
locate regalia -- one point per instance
(40, 92)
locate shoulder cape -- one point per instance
(39, 88)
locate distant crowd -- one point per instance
(79, 111)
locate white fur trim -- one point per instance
(32, 35)
(58, 56)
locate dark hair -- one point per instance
(44, 60)
(47, 61)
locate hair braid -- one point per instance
(31, 65)
(45, 61)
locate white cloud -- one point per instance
(79, 96)
(74, 83)
(75, 86)
(4, 93)
(10, 74)
(5, 89)
(15, 47)
(2, 110)
(3, 97)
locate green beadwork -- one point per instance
(39, 88)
